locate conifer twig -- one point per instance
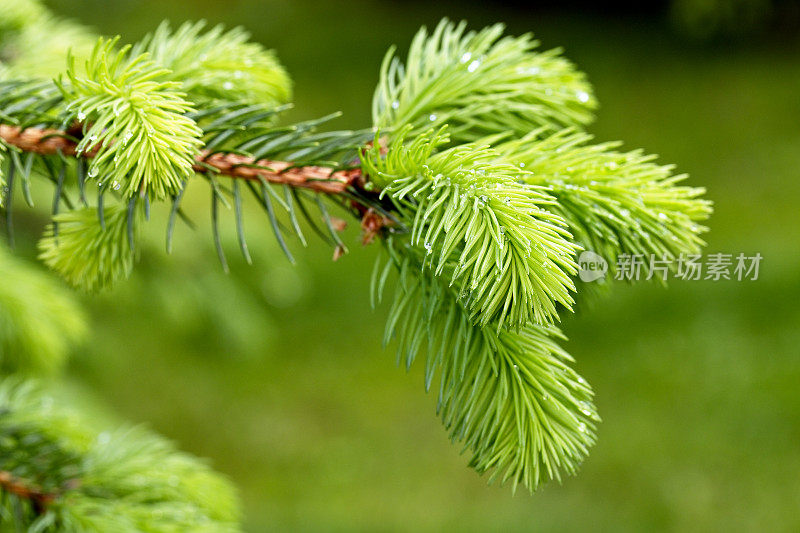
(18, 487)
(48, 141)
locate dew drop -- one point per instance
(432, 117)
(466, 57)
(582, 427)
(81, 115)
(625, 212)
(116, 185)
(395, 104)
(92, 172)
(474, 66)
(662, 216)
(429, 247)
(582, 96)
(227, 86)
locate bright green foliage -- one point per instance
(39, 320)
(614, 202)
(479, 83)
(218, 64)
(510, 396)
(145, 142)
(126, 480)
(88, 252)
(508, 258)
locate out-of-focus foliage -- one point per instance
(59, 473)
(218, 64)
(33, 43)
(704, 19)
(39, 319)
(89, 252)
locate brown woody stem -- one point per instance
(45, 141)
(19, 488)
(51, 141)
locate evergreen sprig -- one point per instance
(134, 120)
(479, 83)
(509, 395)
(508, 258)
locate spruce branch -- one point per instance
(475, 176)
(48, 141)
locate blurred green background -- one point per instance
(277, 375)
